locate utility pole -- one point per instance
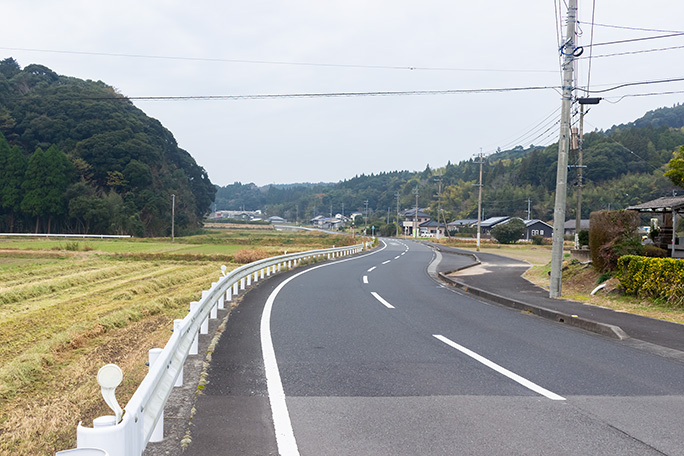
(365, 220)
(568, 51)
(580, 141)
(397, 195)
(173, 216)
(479, 205)
(529, 201)
(416, 192)
(439, 201)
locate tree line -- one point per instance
(77, 157)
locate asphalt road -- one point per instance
(374, 357)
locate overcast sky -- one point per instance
(257, 47)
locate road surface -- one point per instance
(370, 356)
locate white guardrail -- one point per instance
(128, 431)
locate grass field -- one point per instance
(69, 307)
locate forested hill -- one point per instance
(624, 166)
(76, 156)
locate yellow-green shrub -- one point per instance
(652, 277)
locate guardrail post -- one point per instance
(229, 294)
(213, 313)
(195, 343)
(242, 283)
(221, 299)
(261, 273)
(235, 288)
(176, 329)
(158, 432)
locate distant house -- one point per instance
(537, 228)
(275, 219)
(330, 223)
(432, 229)
(411, 217)
(570, 225)
(456, 225)
(487, 225)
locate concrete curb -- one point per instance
(588, 325)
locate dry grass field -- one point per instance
(68, 308)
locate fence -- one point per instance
(128, 431)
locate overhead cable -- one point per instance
(315, 95)
(277, 62)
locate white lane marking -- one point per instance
(385, 262)
(502, 370)
(285, 439)
(365, 279)
(397, 257)
(403, 253)
(379, 298)
(371, 269)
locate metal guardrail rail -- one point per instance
(128, 432)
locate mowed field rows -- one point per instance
(69, 307)
(62, 319)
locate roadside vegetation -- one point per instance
(69, 307)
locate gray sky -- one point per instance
(347, 46)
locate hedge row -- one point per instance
(653, 277)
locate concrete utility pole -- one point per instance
(415, 215)
(479, 205)
(439, 202)
(529, 201)
(580, 140)
(365, 220)
(397, 195)
(567, 50)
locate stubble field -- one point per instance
(69, 307)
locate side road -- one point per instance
(499, 279)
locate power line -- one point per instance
(277, 62)
(649, 94)
(313, 95)
(643, 51)
(592, 23)
(630, 84)
(632, 40)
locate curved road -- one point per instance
(374, 357)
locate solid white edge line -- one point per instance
(502, 370)
(285, 439)
(379, 298)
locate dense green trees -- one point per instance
(75, 156)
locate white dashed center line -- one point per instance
(502, 370)
(371, 269)
(365, 279)
(379, 298)
(385, 262)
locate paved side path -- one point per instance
(502, 276)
